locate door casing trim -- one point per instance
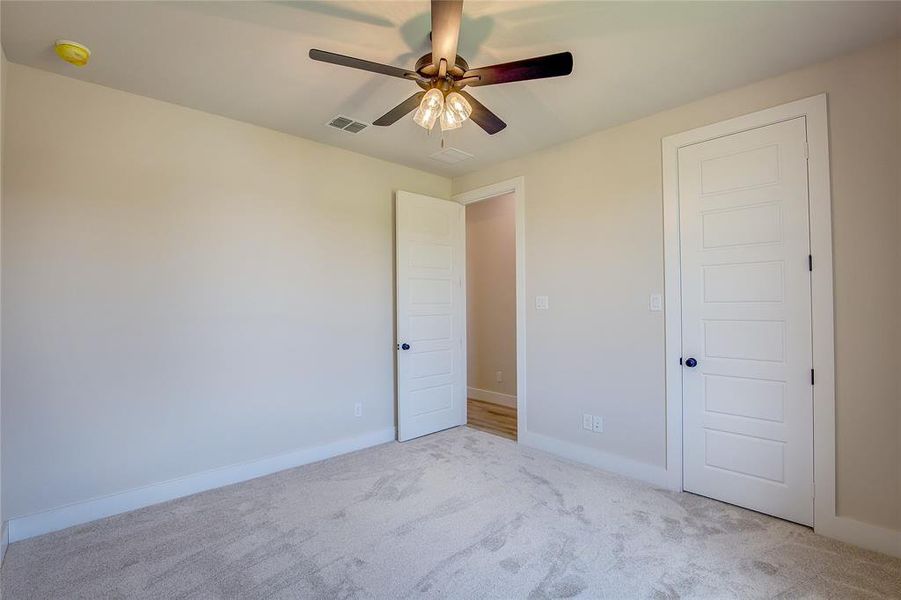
(822, 323)
(516, 186)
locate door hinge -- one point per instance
(810, 262)
(680, 361)
(811, 377)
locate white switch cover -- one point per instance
(541, 303)
(587, 421)
(499, 376)
(358, 409)
(597, 425)
(656, 303)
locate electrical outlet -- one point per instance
(499, 376)
(541, 303)
(587, 422)
(597, 425)
(655, 303)
(358, 409)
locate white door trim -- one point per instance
(826, 521)
(516, 186)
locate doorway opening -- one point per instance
(491, 315)
(431, 330)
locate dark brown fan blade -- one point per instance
(364, 65)
(552, 65)
(446, 17)
(405, 107)
(483, 117)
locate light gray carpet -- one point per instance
(459, 514)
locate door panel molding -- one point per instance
(757, 326)
(815, 109)
(430, 314)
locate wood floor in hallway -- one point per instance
(493, 418)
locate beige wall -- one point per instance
(3, 67)
(182, 291)
(594, 245)
(491, 294)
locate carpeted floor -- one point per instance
(459, 514)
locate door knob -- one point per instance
(691, 363)
(405, 346)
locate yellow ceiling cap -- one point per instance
(73, 52)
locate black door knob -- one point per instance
(691, 363)
(405, 346)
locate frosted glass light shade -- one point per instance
(430, 108)
(449, 120)
(456, 103)
(456, 110)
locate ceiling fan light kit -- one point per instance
(443, 75)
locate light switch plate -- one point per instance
(656, 303)
(541, 303)
(587, 421)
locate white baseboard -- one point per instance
(596, 458)
(852, 531)
(21, 528)
(4, 541)
(492, 397)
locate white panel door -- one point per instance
(431, 376)
(747, 397)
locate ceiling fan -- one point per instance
(442, 75)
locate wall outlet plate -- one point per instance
(597, 424)
(358, 409)
(541, 303)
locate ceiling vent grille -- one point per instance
(451, 156)
(347, 124)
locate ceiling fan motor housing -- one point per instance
(426, 68)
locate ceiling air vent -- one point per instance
(347, 124)
(451, 156)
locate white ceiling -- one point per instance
(248, 60)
